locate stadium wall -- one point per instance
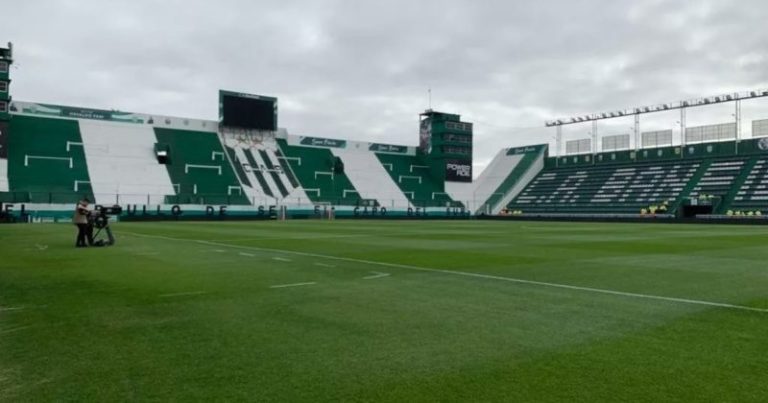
(59, 154)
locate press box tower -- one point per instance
(445, 142)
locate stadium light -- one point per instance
(662, 107)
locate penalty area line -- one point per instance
(182, 294)
(376, 274)
(292, 285)
(474, 275)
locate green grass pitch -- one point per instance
(395, 311)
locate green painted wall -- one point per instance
(40, 168)
(198, 185)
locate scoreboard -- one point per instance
(247, 111)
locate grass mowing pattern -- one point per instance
(181, 320)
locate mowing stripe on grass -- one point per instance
(13, 329)
(470, 274)
(292, 285)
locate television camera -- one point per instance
(99, 219)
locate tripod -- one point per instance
(102, 223)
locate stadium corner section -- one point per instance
(159, 168)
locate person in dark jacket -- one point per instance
(80, 219)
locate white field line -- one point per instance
(474, 275)
(292, 285)
(324, 265)
(182, 294)
(272, 238)
(246, 254)
(376, 274)
(281, 259)
(11, 308)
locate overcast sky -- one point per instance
(361, 69)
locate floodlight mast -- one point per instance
(636, 131)
(737, 116)
(681, 105)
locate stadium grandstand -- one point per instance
(53, 155)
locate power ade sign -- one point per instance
(458, 170)
(4, 140)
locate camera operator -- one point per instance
(80, 219)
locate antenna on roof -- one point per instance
(429, 91)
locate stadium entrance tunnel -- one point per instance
(691, 211)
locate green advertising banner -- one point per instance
(323, 142)
(527, 149)
(388, 148)
(79, 113)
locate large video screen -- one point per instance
(248, 112)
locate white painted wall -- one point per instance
(121, 160)
(255, 193)
(496, 172)
(370, 178)
(3, 175)
(476, 193)
(528, 176)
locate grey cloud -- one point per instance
(361, 69)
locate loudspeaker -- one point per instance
(338, 166)
(162, 153)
